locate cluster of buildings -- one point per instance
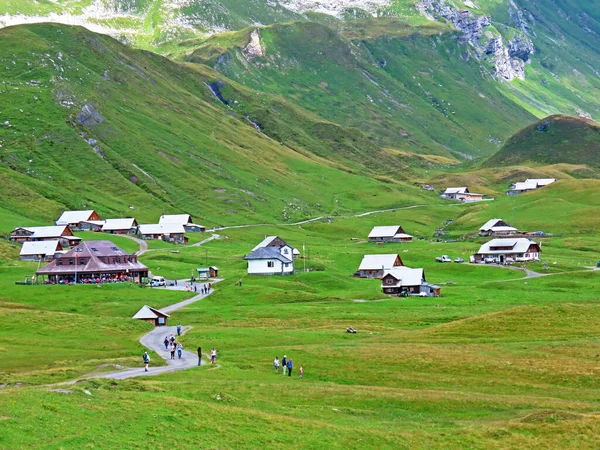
(44, 243)
(530, 184)
(461, 194)
(508, 246)
(396, 278)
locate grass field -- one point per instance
(496, 362)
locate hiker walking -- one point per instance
(172, 347)
(146, 359)
(209, 287)
(166, 342)
(179, 350)
(300, 372)
(172, 339)
(178, 329)
(284, 364)
(213, 356)
(276, 364)
(289, 366)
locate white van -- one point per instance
(157, 281)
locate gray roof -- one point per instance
(267, 253)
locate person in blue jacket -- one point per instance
(289, 366)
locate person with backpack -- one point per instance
(166, 342)
(172, 347)
(289, 366)
(146, 359)
(284, 364)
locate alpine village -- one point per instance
(332, 224)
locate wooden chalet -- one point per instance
(462, 194)
(61, 233)
(497, 227)
(374, 266)
(94, 262)
(508, 250)
(167, 232)
(181, 219)
(120, 226)
(40, 250)
(393, 233)
(73, 218)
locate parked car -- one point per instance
(537, 233)
(422, 294)
(459, 260)
(157, 281)
(491, 260)
(443, 259)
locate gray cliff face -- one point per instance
(509, 59)
(471, 26)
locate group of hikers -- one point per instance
(204, 289)
(172, 345)
(287, 365)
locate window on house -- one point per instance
(287, 264)
(286, 251)
(59, 262)
(270, 264)
(82, 262)
(70, 262)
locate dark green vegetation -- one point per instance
(553, 140)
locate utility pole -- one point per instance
(304, 255)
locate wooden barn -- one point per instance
(152, 315)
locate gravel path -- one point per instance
(154, 341)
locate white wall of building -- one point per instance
(262, 266)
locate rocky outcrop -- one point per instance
(471, 25)
(508, 60)
(88, 116)
(521, 47)
(254, 48)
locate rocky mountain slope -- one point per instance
(554, 140)
(543, 53)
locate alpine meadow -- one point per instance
(365, 224)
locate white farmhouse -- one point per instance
(273, 256)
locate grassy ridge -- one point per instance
(553, 140)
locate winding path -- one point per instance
(154, 342)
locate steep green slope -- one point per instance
(88, 122)
(403, 87)
(553, 140)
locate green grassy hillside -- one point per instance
(88, 122)
(553, 140)
(395, 83)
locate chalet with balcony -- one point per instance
(94, 261)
